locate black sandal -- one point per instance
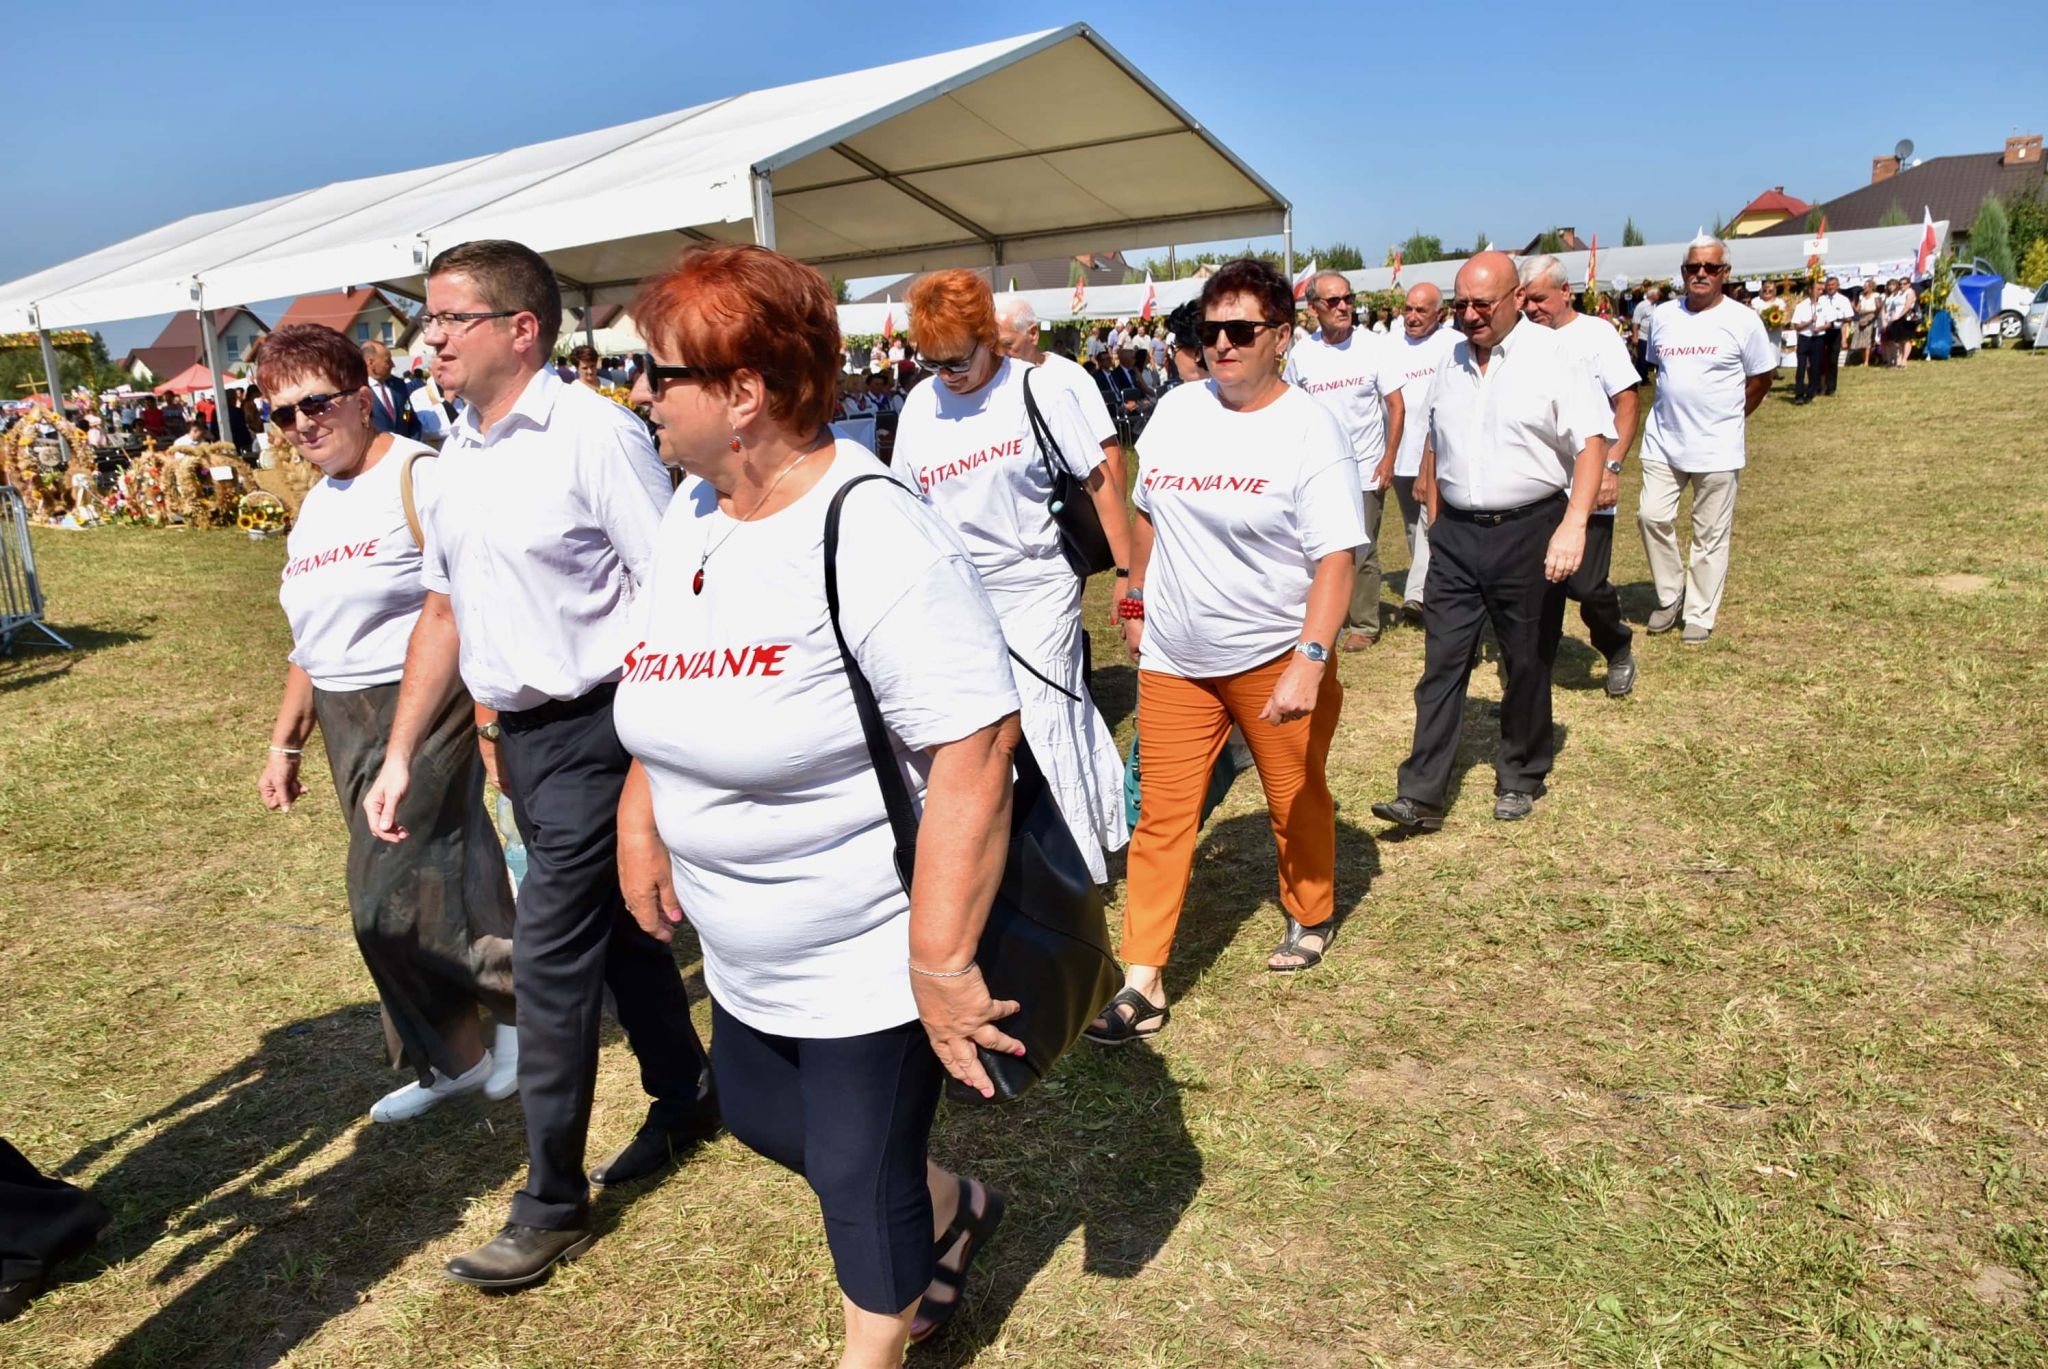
(976, 1229)
(1291, 945)
(1118, 1030)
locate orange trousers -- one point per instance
(1182, 727)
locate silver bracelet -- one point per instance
(286, 751)
(945, 974)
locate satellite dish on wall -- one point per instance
(1904, 151)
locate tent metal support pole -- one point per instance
(220, 383)
(764, 210)
(50, 378)
(589, 323)
(1287, 241)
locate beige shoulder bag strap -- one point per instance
(412, 512)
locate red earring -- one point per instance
(735, 443)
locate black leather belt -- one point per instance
(1493, 518)
(556, 709)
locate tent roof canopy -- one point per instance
(963, 158)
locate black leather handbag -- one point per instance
(1082, 540)
(1046, 942)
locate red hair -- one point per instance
(737, 307)
(952, 310)
(301, 350)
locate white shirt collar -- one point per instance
(533, 407)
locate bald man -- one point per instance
(1017, 338)
(1422, 345)
(1346, 369)
(390, 402)
(1517, 435)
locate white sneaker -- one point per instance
(504, 1080)
(402, 1105)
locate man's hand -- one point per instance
(386, 793)
(647, 880)
(1294, 693)
(1134, 635)
(1383, 474)
(1567, 549)
(279, 786)
(1609, 493)
(489, 749)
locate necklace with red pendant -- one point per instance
(697, 580)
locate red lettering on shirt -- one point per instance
(1206, 484)
(1347, 383)
(1700, 350)
(321, 559)
(947, 470)
(714, 663)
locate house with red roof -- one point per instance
(365, 314)
(1767, 210)
(180, 344)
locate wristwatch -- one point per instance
(489, 731)
(1614, 468)
(1315, 651)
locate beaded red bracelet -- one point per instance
(1127, 609)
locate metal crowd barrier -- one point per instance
(21, 594)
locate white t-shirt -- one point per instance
(975, 459)
(1243, 506)
(351, 587)
(1703, 362)
(1595, 342)
(736, 703)
(1079, 381)
(1413, 363)
(1352, 380)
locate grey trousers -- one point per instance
(1364, 613)
(1415, 522)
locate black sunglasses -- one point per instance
(1241, 331)
(951, 367)
(1710, 268)
(1332, 301)
(657, 375)
(313, 406)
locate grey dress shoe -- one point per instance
(518, 1256)
(1666, 618)
(1621, 673)
(1513, 806)
(1695, 635)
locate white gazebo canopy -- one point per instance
(1044, 145)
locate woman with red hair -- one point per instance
(967, 441)
(753, 803)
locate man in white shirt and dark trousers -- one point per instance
(1547, 300)
(1350, 372)
(1515, 422)
(550, 500)
(1714, 366)
(1836, 312)
(1421, 347)
(1809, 322)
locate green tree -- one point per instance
(2028, 219)
(1631, 236)
(1550, 243)
(1422, 246)
(1991, 237)
(1814, 219)
(1894, 217)
(2034, 264)
(840, 293)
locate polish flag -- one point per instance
(1151, 298)
(889, 321)
(1301, 282)
(1925, 258)
(1593, 264)
(1080, 301)
(1397, 266)
(1822, 235)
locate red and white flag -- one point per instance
(1925, 259)
(1819, 236)
(1397, 266)
(1593, 264)
(889, 320)
(1302, 281)
(1151, 298)
(1080, 300)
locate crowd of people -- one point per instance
(622, 620)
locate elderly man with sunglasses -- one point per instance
(1352, 373)
(1714, 364)
(1518, 431)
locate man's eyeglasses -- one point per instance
(1476, 306)
(657, 375)
(1336, 301)
(449, 322)
(1704, 268)
(312, 406)
(1242, 332)
(951, 366)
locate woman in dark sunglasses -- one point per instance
(433, 914)
(1249, 515)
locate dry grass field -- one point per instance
(1733, 1055)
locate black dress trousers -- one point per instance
(43, 1221)
(1589, 587)
(573, 937)
(1830, 358)
(1481, 571)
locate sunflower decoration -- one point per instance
(617, 394)
(261, 514)
(1774, 315)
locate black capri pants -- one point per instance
(853, 1115)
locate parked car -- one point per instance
(2037, 318)
(2005, 317)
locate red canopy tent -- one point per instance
(193, 377)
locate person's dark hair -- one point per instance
(509, 275)
(1182, 323)
(584, 353)
(1260, 280)
(301, 350)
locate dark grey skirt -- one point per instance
(433, 913)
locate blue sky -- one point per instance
(1375, 120)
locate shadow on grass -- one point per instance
(287, 1253)
(1115, 689)
(34, 658)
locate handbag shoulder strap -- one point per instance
(1048, 446)
(405, 495)
(881, 753)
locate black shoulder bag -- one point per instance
(1046, 942)
(1082, 540)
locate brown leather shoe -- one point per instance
(1358, 641)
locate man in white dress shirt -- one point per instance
(1423, 344)
(1836, 313)
(550, 499)
(1349, 371)
(1714, 366)
(1547, 300)
(1515, 422)
(1017, 338)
